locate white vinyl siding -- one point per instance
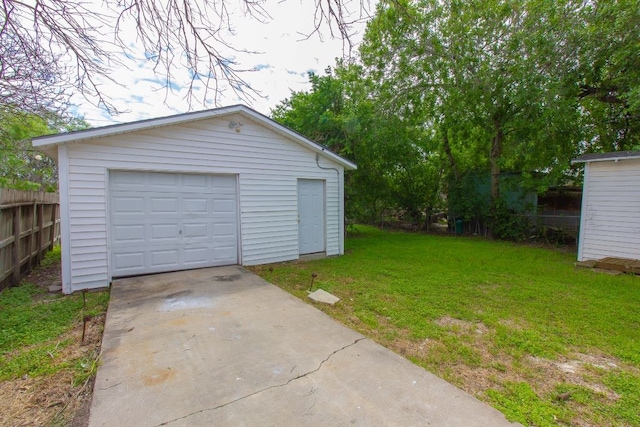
(267, 164)
(611, 210)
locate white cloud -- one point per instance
(282, 65)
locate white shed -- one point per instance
(610, 215)
(210, 188)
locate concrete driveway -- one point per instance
(221, 346)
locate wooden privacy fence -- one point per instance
(29, 227)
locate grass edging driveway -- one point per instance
(516, 326)
(46, 368)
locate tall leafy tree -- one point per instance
(483, 75)
(319, 113)
(606, 43)
(393, 174)
(22, 167)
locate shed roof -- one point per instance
(49, 142)
(602, 157)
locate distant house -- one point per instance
(610, 219)
(210, 188)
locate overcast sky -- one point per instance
(282, 66)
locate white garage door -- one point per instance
(169, 221)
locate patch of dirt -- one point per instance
(463, 325)
(599, 361)
(567, 247)
(494, 369)
(54, 399)
(45, 401)
(410, 348)
(513, 324)
(46, 276)
(574, 370)
(497, 368)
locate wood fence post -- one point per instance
(39, 240)
(16, 244)
(23, 223)
(52, 231)
(32, 238)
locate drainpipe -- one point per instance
(340, 194)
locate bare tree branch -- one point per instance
(51, 48)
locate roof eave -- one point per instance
(49, 142)
(604, 159)
(83, 135)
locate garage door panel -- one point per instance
(196, 183)
(196, 230)
(127, 181)
(164, 182)
(171, 222)
(128, 233)
(224, 206)
(160, 233)
(165, 258)
(224, 253)
(162, 205)
(128, 205)
(192, 205)
(222, 230)
(197, 255)
(129, 260)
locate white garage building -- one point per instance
(210, 188)
(610, 214)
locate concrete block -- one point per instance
(324, 297)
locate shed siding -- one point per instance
(611, 210)
(267, 164)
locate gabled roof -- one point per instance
(48, 143)
(602, 157)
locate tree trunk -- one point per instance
(427, 213)
(447, 150)
(496, 152)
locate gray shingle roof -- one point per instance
(600, 157)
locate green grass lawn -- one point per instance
(517, 326)
(44, 364)
(34, 324)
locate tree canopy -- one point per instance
(340, 113)
(483, 88)
(23, 167)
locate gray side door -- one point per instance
(311, 216)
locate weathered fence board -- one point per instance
(29, 227)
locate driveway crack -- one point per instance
(267, 388)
